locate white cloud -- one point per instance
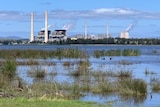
(101, 13)
(114, 11)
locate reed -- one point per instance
(132, 87)
(113, 52)
(82, 69)
(9, 68)
(124, 62)
(155, 84)
(99, 53)
(67, 63)
(37, 72)
(44, 88)
(156, 87)
(116, 52)
(58, 53)
(102, 85)
(131, 52)
(124, 73)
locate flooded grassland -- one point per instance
(110, 75)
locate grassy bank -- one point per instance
(44, 102)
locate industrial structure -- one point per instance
(32, 28)
(45, 35)
(125, 34)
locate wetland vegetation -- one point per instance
(84, 79)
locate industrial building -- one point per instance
(124, 34)
(45, 35)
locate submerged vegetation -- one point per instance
(118, 52)
(43, 54)
(83, 79)
(64, 53)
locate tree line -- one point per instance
(116, 41)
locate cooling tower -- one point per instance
(124, 34)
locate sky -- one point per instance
(140, 17)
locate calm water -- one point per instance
(149, 60)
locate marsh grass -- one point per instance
(43, 54)
(82, 69)
(102, 85)
(113, 53)
(37, 72)
(4, 82)
(99, 53)
(131, 52)
(116, 52)
(124, 73)
(43, 88)
(155, 84)
(132, 87)
(124, 62)
(9, 68)
(67, 64)
(120, 73)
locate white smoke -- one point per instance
(129, 27)
(53, 25)
(67, 26)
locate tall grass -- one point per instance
(155, 84)
(131, 52)
(37, 72)
(102, 85)
(116, 52)
(136, 87)
(58, 53)
(9, 69)
(82, 69)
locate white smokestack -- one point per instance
(85, 31)
(107, 31)
(32, 28)
(46, 27)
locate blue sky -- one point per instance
(143, 15)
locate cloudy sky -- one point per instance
(140, 17)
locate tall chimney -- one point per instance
(46, 27)
(107, 31)
(85, 31)
(32, 28)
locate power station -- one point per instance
(45, 35)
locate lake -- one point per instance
(148, 61)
